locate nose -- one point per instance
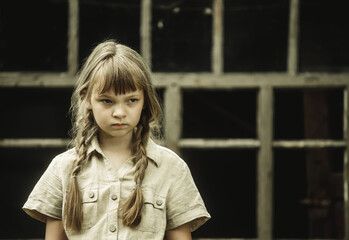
(119, 111)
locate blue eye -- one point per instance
(133, 100)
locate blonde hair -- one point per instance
(117, 67)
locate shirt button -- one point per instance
(91, 194)
(112, 228)
(114, 197)
(158, 202)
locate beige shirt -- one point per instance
(170, 195)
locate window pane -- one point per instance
(219, 114)
(33, 35)
(101, 20)
(35, 113)
(181, 35)
(324, 36)
(20, 170)
(308, 187)
(308, 114)
(255, 35)
(218, 175)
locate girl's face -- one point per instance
(117, 115)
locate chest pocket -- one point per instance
(89, 208)
(153, 215)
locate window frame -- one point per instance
(174, 83)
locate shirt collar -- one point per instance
(152, 150)
(94, 146)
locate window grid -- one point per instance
(175, 82)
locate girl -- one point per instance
(116, 183)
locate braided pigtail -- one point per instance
(73, 207)
(132, 208)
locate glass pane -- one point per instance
(324, 36)
(308, 187)
(219, 114)
(255, 35)
(219, 175)
(33, 35)
(308, 114)
(182, 35)
(108, 19)
(20, 170)
(35, 112)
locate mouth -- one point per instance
(119, 125)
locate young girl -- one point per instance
(116, 183)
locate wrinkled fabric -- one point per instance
(171, 197)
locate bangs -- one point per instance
(118, 78)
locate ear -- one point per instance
(83, 93)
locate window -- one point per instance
(255, 36)
(100, 20)
(323, 36)
(176, 28)
(34, 35)
(255, 96)
(219, 114)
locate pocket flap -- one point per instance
(89, 195)
(151, 197)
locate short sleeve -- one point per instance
(47, 197)
(184, 202)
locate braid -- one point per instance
(132, 208)
(73, 208)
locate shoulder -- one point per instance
(65, 157)
(63, 162)
(168, 155)
(165, 157)
(166, 170)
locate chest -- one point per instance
(104, 190)
(117, 160)
(104, 173)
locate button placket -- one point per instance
(114, 195)
(112, 226)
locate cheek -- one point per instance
(97, 113)
(140, 111)
(138, 115)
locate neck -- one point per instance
(109, 143)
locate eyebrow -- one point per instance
(103, 95)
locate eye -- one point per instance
(107, 101)
(133, 100)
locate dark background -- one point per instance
(33, 38)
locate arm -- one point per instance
(180, 233)
(54, 230)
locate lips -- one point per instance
(119, 125)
